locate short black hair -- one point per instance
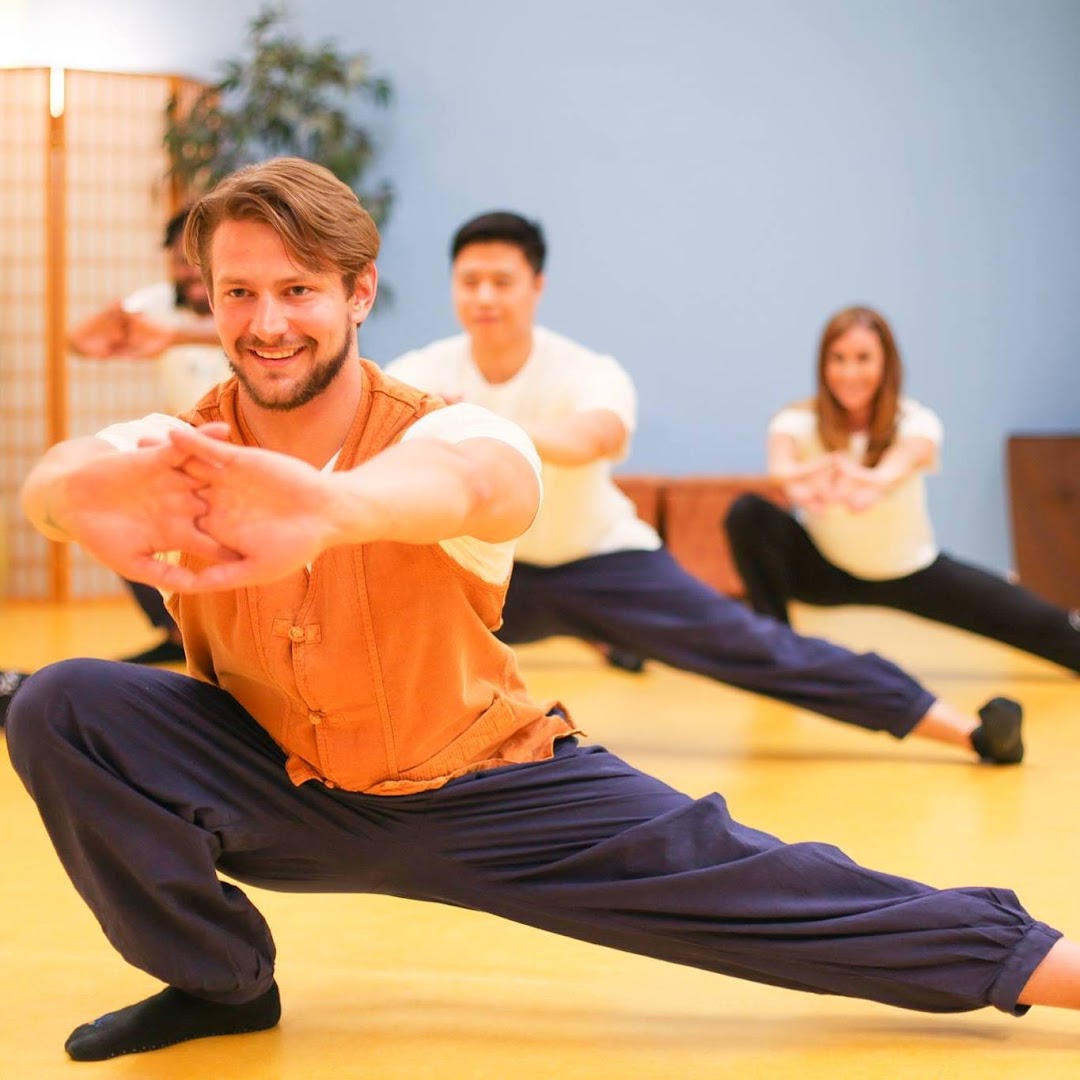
(503, 227)
(174, 227)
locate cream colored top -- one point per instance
(890, 539)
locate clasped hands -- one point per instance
(116, 334)
(247, 516)
(836, 480)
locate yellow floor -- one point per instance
(382, 988)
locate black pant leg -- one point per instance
(778, 561)
(153, 606)
(958, 594)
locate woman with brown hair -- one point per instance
(851, 461)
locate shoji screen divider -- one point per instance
(83, 202)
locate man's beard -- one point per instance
(184, 299)
(321, 375)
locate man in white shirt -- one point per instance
(168, 322)
(589, 567)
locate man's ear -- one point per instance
(363, 294)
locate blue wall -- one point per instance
(715, 178)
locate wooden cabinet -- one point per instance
(1044, 493)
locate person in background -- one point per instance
(168, 322)
(589, 567)
(852, 461)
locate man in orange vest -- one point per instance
(349, 721)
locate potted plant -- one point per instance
(280, 98)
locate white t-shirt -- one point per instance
(490, 561)
(584, 512)
(187, 371)
(893, 537)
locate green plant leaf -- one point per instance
(280, 97)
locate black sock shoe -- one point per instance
(167, 652)
(624, 659)
(997, 738)
(167, 1018)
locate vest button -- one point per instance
(296, 633)
(314, 717)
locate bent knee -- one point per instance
(748, 513)
(44, 702)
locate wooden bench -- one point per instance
(689, 512)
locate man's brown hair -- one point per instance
(319, 219)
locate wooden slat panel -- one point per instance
(24, 156)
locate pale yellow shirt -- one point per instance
(892, 538)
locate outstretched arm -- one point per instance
(147, 338)
(587, 436)
(125, 508)
(118, 334)
(860, 486)
(101, 336)
(808, 484)
(279, 513)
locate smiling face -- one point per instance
(287, 331)
(495, 293)
(854, 369)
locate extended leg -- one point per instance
(964, 596)
(644, 601)
(779, 562)
(589, 847)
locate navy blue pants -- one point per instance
(149, 783)
(645, 602)
(779, 562)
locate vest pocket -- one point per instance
(477, 743)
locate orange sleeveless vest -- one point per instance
(377, 671)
